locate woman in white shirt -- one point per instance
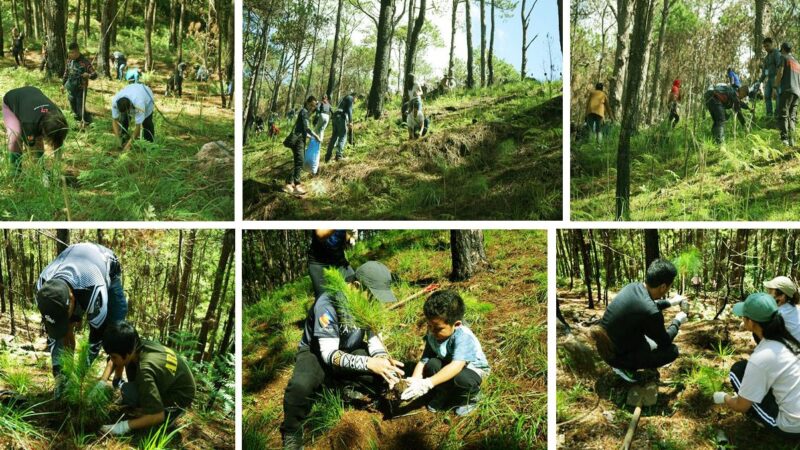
(767, 385)
(784, 291)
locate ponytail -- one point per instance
(776, 330)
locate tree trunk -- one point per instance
(103, 62)
(380, 81)
(332, 73)
(63, 240)
(587, 266)
(173, 24)
(453, 37)
(87, 20)
(148, 33)
(470, 75)
(651, 250)
(490, 57)
(76, 25)
(760, 24)
(186, 276)
(468, 255)
(10, 281)
(655, 92)
(526, 44)
(181, 31)
(411, 49)
(56, 36)
(617, 80)
(643, 13)
(228, 240)
(483, 42)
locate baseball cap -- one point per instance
(377, 278)
(786, 47)
(783, 284)
(760, 307)
(53, 302)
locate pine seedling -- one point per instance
(81, 392)
(354, 306)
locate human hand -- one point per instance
(417, 387)
(117, 429)
(387, 368)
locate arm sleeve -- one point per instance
(754, 383)
(464, 348)
(654, 329)
(306, 125)
(336, 239)
(428, 353)
(90, 70)
(327, 346)
(662, 304)
(375, 346)
(331, 355)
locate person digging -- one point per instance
(720, 98)
(631, 335)
(85, 279)
(332, 353)
(133, 101)
(160, 382)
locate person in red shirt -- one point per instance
(674, 98)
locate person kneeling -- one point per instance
(160, 382)
(768, 385)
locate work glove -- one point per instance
(117, 429)
(677, 300)
(719, 397)
(417, 388)
(682, 317)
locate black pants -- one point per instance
(766, 411)
(77, 105)
(318, 279)
(787, 114)
(17, 56)
(644, 358)
(309, 375)
(460, 389)
(674, 118)
(148, 127)
(297, 159)
(717, 111)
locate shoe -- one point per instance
(786, 142)
(627, 375)
(438, 403)
(470, 407)
(299, 190)
(293, 441)
(289, 188)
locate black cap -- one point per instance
(377, 278)
(53, 302)
(786, 47)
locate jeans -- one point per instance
(121, 71)
(339, 137)
(595, 123)
(149, 133)
(117, 311)
(787, 115)
(324, 119)
(674, 118)
(768, 86)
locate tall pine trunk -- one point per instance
(332, 73)
(467, 252)
(380, 81)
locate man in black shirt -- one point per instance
(302, 128)
(635, 337)
(32, 120)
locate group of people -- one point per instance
(780, 73)
(448, 375)
(342, 119)
(631, 336)
(84, 281)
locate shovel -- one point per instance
(638, 396)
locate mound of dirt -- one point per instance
(355, 430)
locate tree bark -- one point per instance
(332, 73)
(587, 266)
(468, 254)
(228, 240)
(490, 57)
(411, 49)
(103, 63)
(651, 249)
(655, 92)
(148, 33)
(380, 81)
(453, 38)
(617, 80)
(483, 42)
(10, 281)
(63, 240)
(186, 276)
(470, 75)
(56, 36)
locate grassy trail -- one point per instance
(506, 309)
(491, 154)
(157, 181)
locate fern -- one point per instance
(353, 305)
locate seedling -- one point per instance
(86, 399)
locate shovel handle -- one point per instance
(430, 288)
(626, 444)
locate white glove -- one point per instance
(675, 301)
(719, 397)
(682, 317)
(417, 387)
(118, 429)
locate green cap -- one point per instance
(760, 307)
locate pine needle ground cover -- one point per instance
(493, 153)
(506, 308)
(164, 180)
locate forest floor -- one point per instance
(681, 174)
(492, 153)
(506, 309)
(26, 370)
(591, 398)
(156, 181)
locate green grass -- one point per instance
(460, 171)
(159, 437)
(707, 379)
(15, 423)
(674, 177)
(326, 412)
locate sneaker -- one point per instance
(438, 403)
(293, 441)
(786, 142)
(470, 407)
(627, 375)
